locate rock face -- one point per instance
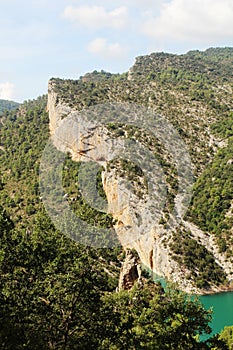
(136, 222)
(130, 271)
(137, 225)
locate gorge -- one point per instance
(152, 233)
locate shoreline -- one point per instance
(202, 292)
(221, 291)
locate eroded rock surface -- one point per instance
(137, 217)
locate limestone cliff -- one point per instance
(137, 225)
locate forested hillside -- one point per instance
(58, 294)
(194, 93)
(6, 105)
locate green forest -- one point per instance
(6, 105)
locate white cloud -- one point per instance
(102, 48)
(95, 17)
(142, 4)
(200, 21)
(6, 91)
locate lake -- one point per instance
(222, 305)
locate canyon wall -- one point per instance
(137, 225)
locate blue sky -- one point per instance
(40, 39)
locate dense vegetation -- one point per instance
(71, 181)
(23, 138)
(199, 261)
(211, 207)
(6, 105)
(56, 295)
(227, 336)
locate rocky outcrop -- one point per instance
(130, 271)
(137, 225)
(57, 110)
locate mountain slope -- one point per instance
(194, 93)
(57, 293)
(7, 105)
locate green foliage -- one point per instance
(227, 336)
(197, 259)
(151, 319)
(224, 127)
(213, 194)
(6, 105)
(71, 185)
(50, 289)
(23, 138)
(55, 295)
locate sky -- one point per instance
(41, 39)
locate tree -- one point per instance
(54, 294)
(50, 289)
(227, 336)
(149, 318)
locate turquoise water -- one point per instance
(222, 305)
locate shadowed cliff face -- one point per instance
(139, 215)
(85, 140)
